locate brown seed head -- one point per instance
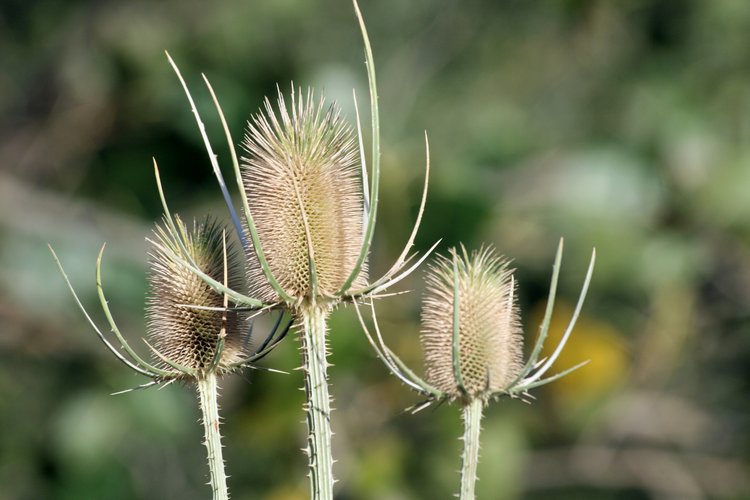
(489, 332)
(302, 183)
(185, 335)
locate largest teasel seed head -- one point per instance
(186, 320)
(473, 348)
(301, 177)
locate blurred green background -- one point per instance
(623, 126)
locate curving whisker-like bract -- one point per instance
(528, 384)
(251, 227)
(532, 363)
(375, 184)
(267, 345)
(571, 325)
(113, 325)
(211, 155)
(137, 388)
(271, 334)
(363, 161)
(428, 389)
(392, 362)
(374, 289)
(402, 259)
(99, 333)
(397, 366)
(372, 296)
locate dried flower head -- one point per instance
(489, 354)
(301, 177)
(186, 317)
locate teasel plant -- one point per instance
(194, 334)
(472, 341)
(308, 213)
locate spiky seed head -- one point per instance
(186, 335)
(489, 332)
(301, 176)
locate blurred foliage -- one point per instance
(619, 125)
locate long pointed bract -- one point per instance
(571, 325)
(113, 325)
(544, 327)
(410, 242)
(99, 333)
(211, 155)
(363, 161)
(375, 185)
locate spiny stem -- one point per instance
(472, 414)
(320, 459)
(208, 392)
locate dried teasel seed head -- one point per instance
(489, 333)
(186, 335)
(301, 176)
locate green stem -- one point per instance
(320, 459)
(472, 414)
(207, 392)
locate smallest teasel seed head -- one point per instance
(473, 348)
(187, 321)
(471, 333)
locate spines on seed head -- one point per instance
(301, 176)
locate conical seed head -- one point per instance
(489, 332)
(186, 335)
(301, 176)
